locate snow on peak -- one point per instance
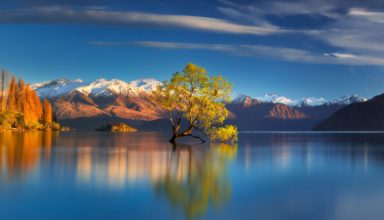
(310, 101)
(105, 87)
(306, 101)
(147, 84)
(56, 87)
(275, 98)
(245, 100)
(346, 100)
(240, 99)
(99, 87)
(61, 81)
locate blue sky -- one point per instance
(294, 48)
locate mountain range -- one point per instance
(87, 105)
(278, 113)
(364, 116)
(305, 101)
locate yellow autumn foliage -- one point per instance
(21, 107)
(197, 98)
(227, 133)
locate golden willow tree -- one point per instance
(196, 102)
(21, 107)
(3, 86)
(47, 113)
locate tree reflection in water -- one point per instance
(206, 182)
(114, 175)
(20, 152)
(193, 178)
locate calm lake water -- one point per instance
(267, 176)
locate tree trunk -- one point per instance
(175, 131)
(175, 136)
(185, 133)
(173, 139)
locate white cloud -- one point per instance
(251, 15)
(355, 32)
(376, 17)
(359, 31)
(282, 8)
(341, 55)
(69, 15)
(230, 12)
(259, 51)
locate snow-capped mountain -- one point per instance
(146, 84)
(100, 87)
(305, 101)
(346, 100)
(310, 101)
(274, 98)
(104, 87)
(245, 100)
(278, 99)
(88, 105)
(57, 87)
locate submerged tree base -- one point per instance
(224, 134)
(175, 137)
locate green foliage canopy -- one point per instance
(195, 96)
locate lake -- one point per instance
(267, 176)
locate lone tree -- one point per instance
(199, 99)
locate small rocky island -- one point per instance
(119, 127)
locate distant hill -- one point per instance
(89, 105)
(251, 114)
(367, 116)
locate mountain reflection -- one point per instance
(285, 152)
(192, 178)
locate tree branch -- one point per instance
(199, 129)
(202, 140)
(194, 120)
(171, 119)
(179, 115)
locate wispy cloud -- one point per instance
(280, 8)
(69, 15)
(356, 32)
(312, 8)
(359, 31)
(376, 17)
(352, 35)
(259, 51)
(341, 55)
